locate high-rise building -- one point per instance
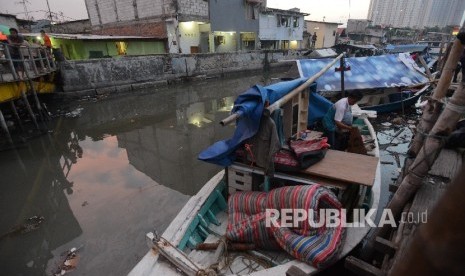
(416, 13)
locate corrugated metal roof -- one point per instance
(365, 72)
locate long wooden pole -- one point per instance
(438, 245)
(231, 118)
(434, 106)
(433, 145)
(303, 86)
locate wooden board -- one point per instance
(346, 167)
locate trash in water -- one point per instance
(386, 124)
(30, 225)
(75, 113)
(397, 121)
(70, 262)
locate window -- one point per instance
(250, 12)
(285, 21)
(295, 22)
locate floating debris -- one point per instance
(30, 225)
(397, 121)
(70, 262)
(75, 113)
(386, 124)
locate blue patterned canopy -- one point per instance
(365, 72)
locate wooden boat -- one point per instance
(392, 101)
(203, 220)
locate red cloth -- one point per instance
(47, 41)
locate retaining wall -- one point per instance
(109, 75)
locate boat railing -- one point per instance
(24, 62)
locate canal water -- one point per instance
(112, 169)
(109, 171)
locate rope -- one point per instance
(456, 108)
(434, 136)
(429, 157)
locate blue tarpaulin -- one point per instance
(406, 48)
(365, 73)
(250, 106)
(318, 106)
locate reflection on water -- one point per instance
(126, 166)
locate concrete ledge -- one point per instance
(150, 84)
(123, 88)
(77, 94)
(106, 90)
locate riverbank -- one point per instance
(130, 73)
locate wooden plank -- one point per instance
(362, 268)
(346, 167)
(295, 271)
(385, 246)
(448, 164)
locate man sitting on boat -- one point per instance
(338, 120)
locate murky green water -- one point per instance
(123, 167)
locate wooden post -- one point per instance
(342, 66)
(15, 112)
(29, 109)
(438, 245)
(428, 72)
(41, 59)
(433, 145)
(33, 62)
(5, 128)
(33, 89)
(433, 108)
(10, 61)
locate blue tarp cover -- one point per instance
(406, 48)
(250, 105)
(365, 73)
(318, 107)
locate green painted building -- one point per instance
(80, 46)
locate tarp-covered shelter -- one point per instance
(365, 72)
(406, 48)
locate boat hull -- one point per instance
(179, 232)
(397, 105)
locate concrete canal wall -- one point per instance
(116, 75)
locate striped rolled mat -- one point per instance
(316, 246)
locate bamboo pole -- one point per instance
(231, 118)
(303, 86)
(433, 108)
(437, 247)
(433, 145)
(427, 71)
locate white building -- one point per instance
(416, 13)
(326, 33)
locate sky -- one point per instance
(332, 10)
(72, 9)
(337, 11)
